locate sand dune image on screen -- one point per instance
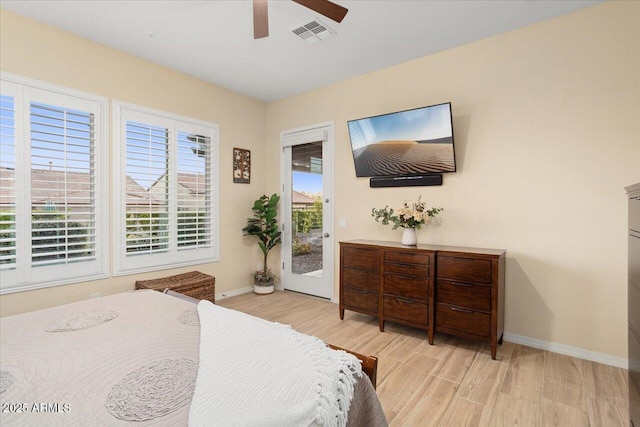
(405, 157)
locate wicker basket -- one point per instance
(194, 284)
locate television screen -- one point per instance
(411, 142)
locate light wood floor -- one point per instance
(454, 382)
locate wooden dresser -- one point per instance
(407, 287)
(455, 290)
(470, 294)
(360, 278)
(634, 304)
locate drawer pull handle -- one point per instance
(465, 285)
(373, 269)
(462, 310)
(404, 300)
(408, 277)
(401, 264)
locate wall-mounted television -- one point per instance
(405, 143)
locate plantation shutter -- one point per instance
(53, 156)
(147, 189)
(194, 190)
(7, 183)
(167, 190)
(63, 189)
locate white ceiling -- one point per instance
(213, 40)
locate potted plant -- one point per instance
(264, 225)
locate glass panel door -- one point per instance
(306, 209)
(307, 253)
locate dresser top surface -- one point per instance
(426, 247)
(635, 188)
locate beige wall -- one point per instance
(38, 51)
(546, 121)
(547, 133)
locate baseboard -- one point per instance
(234, 293)
(568, 350)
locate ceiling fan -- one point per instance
(324, 7)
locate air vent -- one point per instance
(313, 31)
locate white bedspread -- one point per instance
(64, 378)
(258, 373)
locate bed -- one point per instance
(147, 358)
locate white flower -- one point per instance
(409, 215)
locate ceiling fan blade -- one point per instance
(260, 19)
(325, 7)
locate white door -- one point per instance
(307, 210)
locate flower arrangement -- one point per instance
(263, 276)
(410, 215)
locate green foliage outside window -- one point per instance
(54, 237)
(302, 218)
(147, 231)
(316, 212)
(7, 235)
(309, 219)
(55, 233)
(192, 228)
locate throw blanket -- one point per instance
(258, 373)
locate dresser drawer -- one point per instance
(361, 279)
(634, 216)
(464, 269)
(634, 307)
(407, 257)
(468, 321)
(634, 406)
(634, 261)
(407, 269)
(354, 298)
(411, 287)
(405, 309)
(634, 357)
(365, 258)
(467, 295)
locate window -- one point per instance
(167, 190)
(52, 149)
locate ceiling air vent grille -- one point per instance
(313, 31)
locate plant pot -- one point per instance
(409, 237)
(263, 288)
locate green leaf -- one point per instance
(263, 248)
(264, 224)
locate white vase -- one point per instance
(409, 237)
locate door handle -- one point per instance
(325, 235)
